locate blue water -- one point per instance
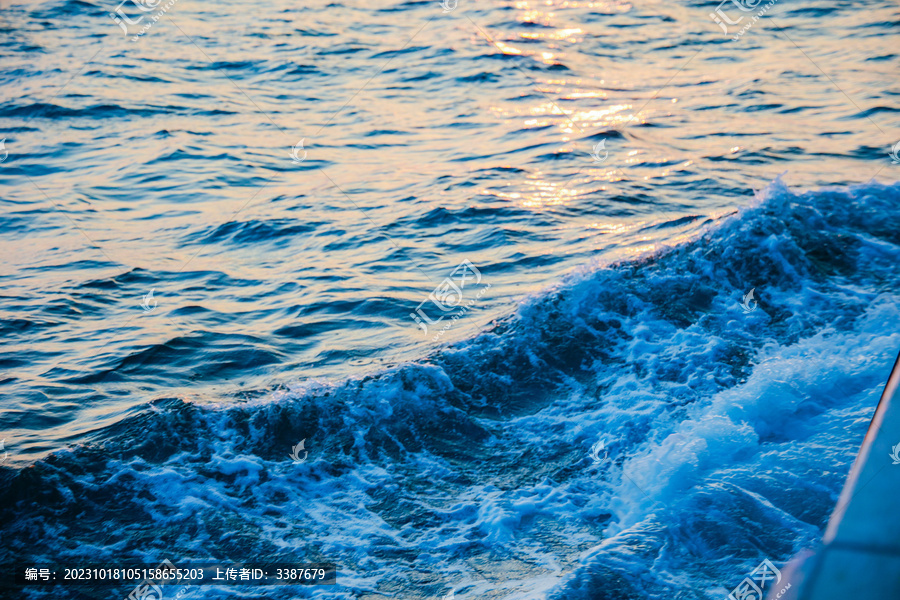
(608, 308)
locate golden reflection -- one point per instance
(605, 118)
(559, 34)
(599, 6)
(546, 107)
(536, 16)
(539, 193)
(612, 228)
(639, 250)
(536, 193)
(585, 94)
(567, 122)
(506, 48)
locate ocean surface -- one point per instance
(586, 191)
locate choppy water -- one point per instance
(283, 291)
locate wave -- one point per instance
(727, 430)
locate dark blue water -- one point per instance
(606, 312)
